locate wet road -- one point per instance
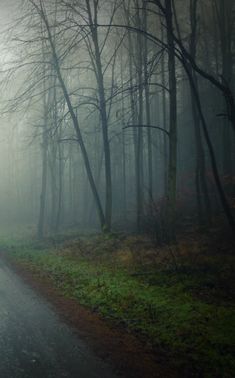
(34, 342)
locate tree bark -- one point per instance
(172, 168)
(103, 114)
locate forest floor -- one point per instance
(174, 304)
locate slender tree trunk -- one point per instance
(70, 177)
(224, 16)
(133, 107)
(60, 185)
(200, 176)
(44, 148)
(164, 117)
(123, 147)
(103, 113)
(148, 113)
(172, 170)
(53, 183)
(139, 151)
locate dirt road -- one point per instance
(34, 342)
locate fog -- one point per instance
(101, 127)
(117, 188)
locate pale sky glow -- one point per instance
(7, 11)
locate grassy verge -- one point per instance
(183, 307)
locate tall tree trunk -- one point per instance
(123, 145)
(103, 113)
(172, 170)
(53, 183)
(224, 16)
(139, 152)
(164, 117)
(44, 148)
(60, 185)
(133, 104)
(148, 112)
(200, 176)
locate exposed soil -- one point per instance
(129, 356)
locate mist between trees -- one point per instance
(118, 115)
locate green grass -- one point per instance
(163, 306)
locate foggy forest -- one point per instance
(117, 186)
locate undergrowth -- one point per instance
(184, 309)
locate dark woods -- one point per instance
(132, 105)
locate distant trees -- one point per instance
(107, 78)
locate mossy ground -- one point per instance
(181, 299)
